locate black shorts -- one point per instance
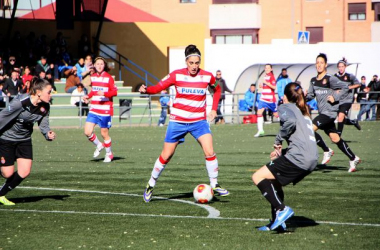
(325, 123)
(10, 151)
(286, 172)
(345, 108)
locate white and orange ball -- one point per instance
(203, 193)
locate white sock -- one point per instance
(94, 139)
(107, 145)
(159, 166)
(260, 122)
(212, 169)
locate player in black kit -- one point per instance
(346, 103)
(16, 128)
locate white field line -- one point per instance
(212, 212)
(165, 216)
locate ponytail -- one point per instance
(294, 94)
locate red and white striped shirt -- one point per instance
(189, 104)
(267, 93)
(102, 105)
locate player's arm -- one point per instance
(112, 89)
(10, 113)
(355, 82)
(340, 89)
(165, 83)
(44, 126)
(310, 95)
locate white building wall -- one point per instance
(234, 16)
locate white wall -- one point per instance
(234, 16)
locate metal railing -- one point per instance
(144, 75)
(145, 109)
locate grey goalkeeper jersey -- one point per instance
(298, 131)
(18, 119)
(349, 80)
(322, 89)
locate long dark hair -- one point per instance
(322, 55)
(192, 49)
(38, 84)
(294, 94)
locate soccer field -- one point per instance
(71, 201)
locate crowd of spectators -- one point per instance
(31, 56)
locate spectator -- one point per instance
(164, 101)
(13, 85)
(362, 98)
(2, 71)
(282, 81)
(12, 66)
(2, 101)
(223, 88)
(72, 80)
(250, 98)
(86, 75)
(42, 65)
(372, 97)
(66, 58)
(76, 99)
(26, 80)
(81, 68)
(30, 59)
(84, 46)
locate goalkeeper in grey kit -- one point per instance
(16, 128)
(292, 164)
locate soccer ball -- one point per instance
(203, 193)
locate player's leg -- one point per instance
(341, 122)
(14, 178)
(159, 166)
(8, 173)
(107, 144)
(343, 146)
(175, 134)
(318, 122)
(260, 120)
(89, 126)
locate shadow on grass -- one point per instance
(187, 195)
(114, 159)
(327, 169)
(295, 222)
(39, 198)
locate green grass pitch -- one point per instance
(71, 201)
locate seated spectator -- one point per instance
(86, 75)
(72, 80)
(13, 85)
(2, 101)
(250, 97)
(81, 68)
(2, 71)
(26, 80)
(76, 99)
(42, 65)
(12, 66)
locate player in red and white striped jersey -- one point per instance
(267, 98)
(101, 108)
(188, 115)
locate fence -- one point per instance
(142, 110)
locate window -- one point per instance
(187, 1)
(376, 8)
(356, 11)
(235, 36)
(316, 34)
